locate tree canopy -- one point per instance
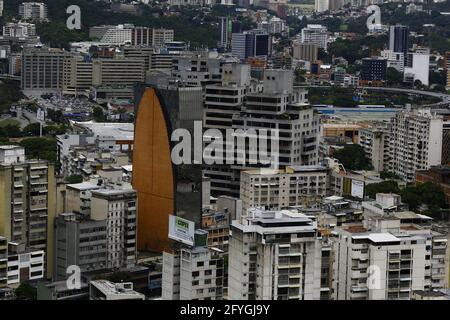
(25, 291)
(353, 157)
(426, 194)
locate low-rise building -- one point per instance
(107, 290)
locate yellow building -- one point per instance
(349, 130)
(27, 202)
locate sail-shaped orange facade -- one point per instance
(152, 173)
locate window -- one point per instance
(200, 264)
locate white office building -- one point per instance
(394, 59)
(118, 35)
(418, 67)
(316, 34)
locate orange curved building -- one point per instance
(160, 185)
(153, 174)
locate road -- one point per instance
(443, 96)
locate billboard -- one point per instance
(181, 230)
(40, 114)
(357, 189)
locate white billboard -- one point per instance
(40, 114)
(181, 230)
(358, 189)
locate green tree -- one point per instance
(389, 186)
(11, 131)
(55, 115)
(98, 114)
(54, 130)
(394, 77)
(25, 292)
(9, 94)
(425, 194)
(40, 148)
(74, 179)
(33, 129)
(388, 175)
(353, 157)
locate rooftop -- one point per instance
(356, 229)
(83, 186)
(124, 290)
(118, 131)
(378, 237)
(10, 147)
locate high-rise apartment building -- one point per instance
(198, 69)
(276, 105)
(282, 106)
(397, 262)
(35, 11)
(274, 255)
(415, 142)
(3, 262)
(119, 209)
(280, 189)
(375, 142)
(19, 29)
(27, 201)
(273, 26)
(316, 34)
(447, 67)
(222, 103)
(79, 241)
(42, 69)
(386, 214)
(195, 273)
(25, 266)
(223, 32)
